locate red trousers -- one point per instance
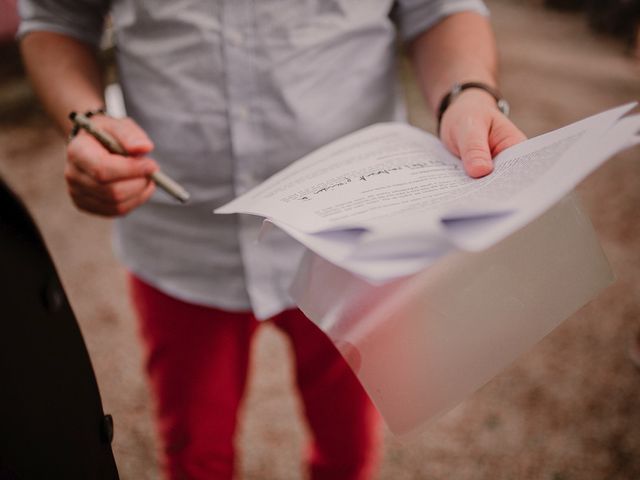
(197, 359)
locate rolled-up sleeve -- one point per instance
(83, 20)
(416, 16)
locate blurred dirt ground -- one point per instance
(567, 410)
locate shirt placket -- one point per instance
(242, 84)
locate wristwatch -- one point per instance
(458, 88)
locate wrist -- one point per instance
(89, 113)
(479, 90)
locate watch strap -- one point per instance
(458, 88)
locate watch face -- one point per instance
(504, 106)
(455, 91)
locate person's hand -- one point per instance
(476, 131)
(106, 184)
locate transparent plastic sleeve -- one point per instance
(421, 344)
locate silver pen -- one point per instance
(165, 182)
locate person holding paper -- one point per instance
(231, 92)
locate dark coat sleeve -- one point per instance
(51, 420)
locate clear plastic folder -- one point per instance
(421, 344)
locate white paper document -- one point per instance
(389, 200)
(429, 282)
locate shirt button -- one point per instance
(242, 112)
(106, 429)
(53, 297)
(235, 38)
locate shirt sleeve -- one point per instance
(83, 19)
(416, 16)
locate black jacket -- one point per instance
(51, 421)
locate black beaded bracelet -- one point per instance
(458, 88)
(88, 114)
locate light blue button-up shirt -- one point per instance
(231, 91)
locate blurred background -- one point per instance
(568, 409)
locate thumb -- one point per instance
(475, 152)
(132, 138)
(503, 135)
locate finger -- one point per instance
(473, 147)
(114, 192)
(504, 134)
(90, 204)
(88, 155)
(127, 206)
(127, 132)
